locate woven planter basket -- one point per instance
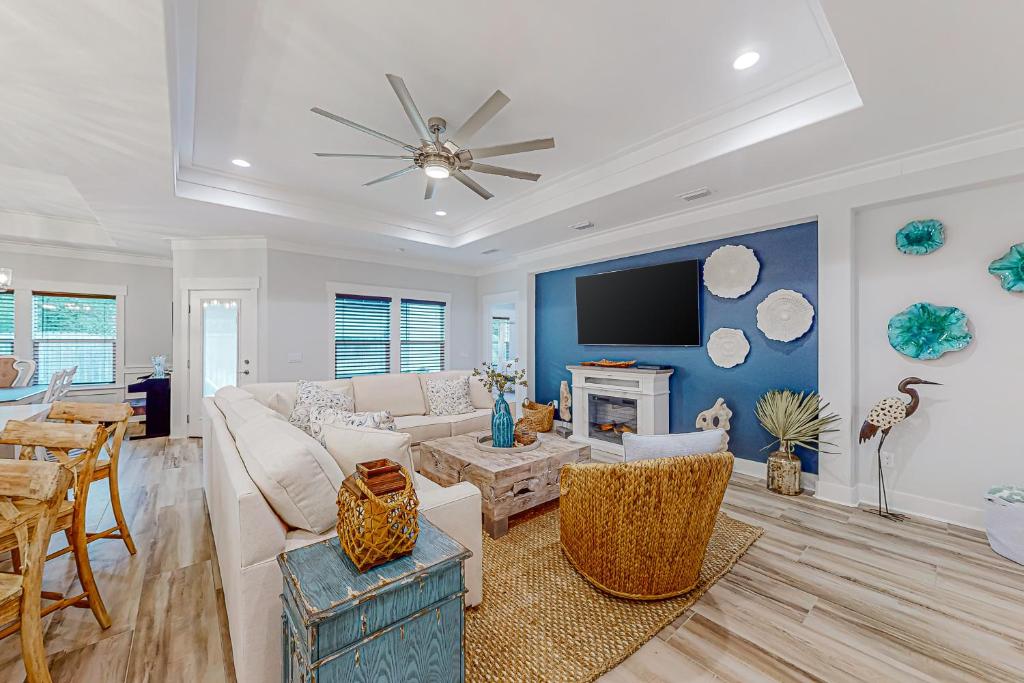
(539, 418)
(373, 530)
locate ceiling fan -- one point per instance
(449, 157)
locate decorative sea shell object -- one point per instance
(784, 315)
(564, 402)
(920, 237)
(926, 331)
(731, 271)
(728, 347)
(1010, 269)
(716, 417)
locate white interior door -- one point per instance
(222, 346)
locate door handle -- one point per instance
(245, 372)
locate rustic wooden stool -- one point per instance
(111, 416)
(30, 497)
(76, 448)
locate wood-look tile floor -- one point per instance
(827, 594)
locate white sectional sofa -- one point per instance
(248, 533)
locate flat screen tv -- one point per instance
(649, 306)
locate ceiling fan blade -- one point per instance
(364, 129)
(501, 170)
(410, 108)
(471, 184)
(487, 111)
(431, 187)
(512, 148)
(363, 156)
(389, 176)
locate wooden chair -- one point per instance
(112, 416)
(65, 384)
(640, 529)
(31, 494)
(76, 447)
(26, 369)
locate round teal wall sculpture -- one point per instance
(920, 237)
(1010, 269)
(926, 331)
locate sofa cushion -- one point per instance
(295, 474)
(238, 412)
(280, 396)
(230, 393)
(424, 427)
(478, 395)
(310, 395)
(646, 447)
(477, 421)
(448, 395)
(350, 445)
(326, 415)
(399, 393)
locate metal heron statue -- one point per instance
(884, 415)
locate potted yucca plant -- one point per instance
(794, 420)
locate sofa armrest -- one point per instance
(245, 528)
(456, 511)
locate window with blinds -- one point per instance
(423, 335)
(74, 330)
(362, 335)
(6, 323)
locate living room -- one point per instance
(661, 343)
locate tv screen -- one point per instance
(650, 306)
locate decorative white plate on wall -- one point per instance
(728, 347)
(784, 315)
(731, 271)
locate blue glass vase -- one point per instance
(502, 425)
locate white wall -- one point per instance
(147, 317)
(299, 310)
(963, 438)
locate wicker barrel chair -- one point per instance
(640, 529)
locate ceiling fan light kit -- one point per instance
(446, 158)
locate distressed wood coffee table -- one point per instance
(509, 483)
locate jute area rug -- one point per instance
(541, 621)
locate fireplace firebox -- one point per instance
(609, 417)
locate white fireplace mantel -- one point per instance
(648, 387)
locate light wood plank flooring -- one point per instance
(827, 594)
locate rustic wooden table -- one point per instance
(509, 483)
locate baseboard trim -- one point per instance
(938, 510)
(837, 493)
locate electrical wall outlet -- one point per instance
(888, 460)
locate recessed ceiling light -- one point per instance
(440, 213)
(745, 61)
(242, 163)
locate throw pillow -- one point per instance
(326, 415)
(350, 445)
(449, 396)
(646, 447)
(309, 395)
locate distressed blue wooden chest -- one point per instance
(402, 621)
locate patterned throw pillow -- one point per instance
(449, 396)
(309, 395)
(326, 415)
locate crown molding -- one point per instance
(368, 256)
(84, 253)
(219, 243)
(987, 150)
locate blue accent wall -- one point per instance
(789, 260)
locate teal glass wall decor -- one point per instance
(926, 331)
(1010, 268)
(920, 237)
